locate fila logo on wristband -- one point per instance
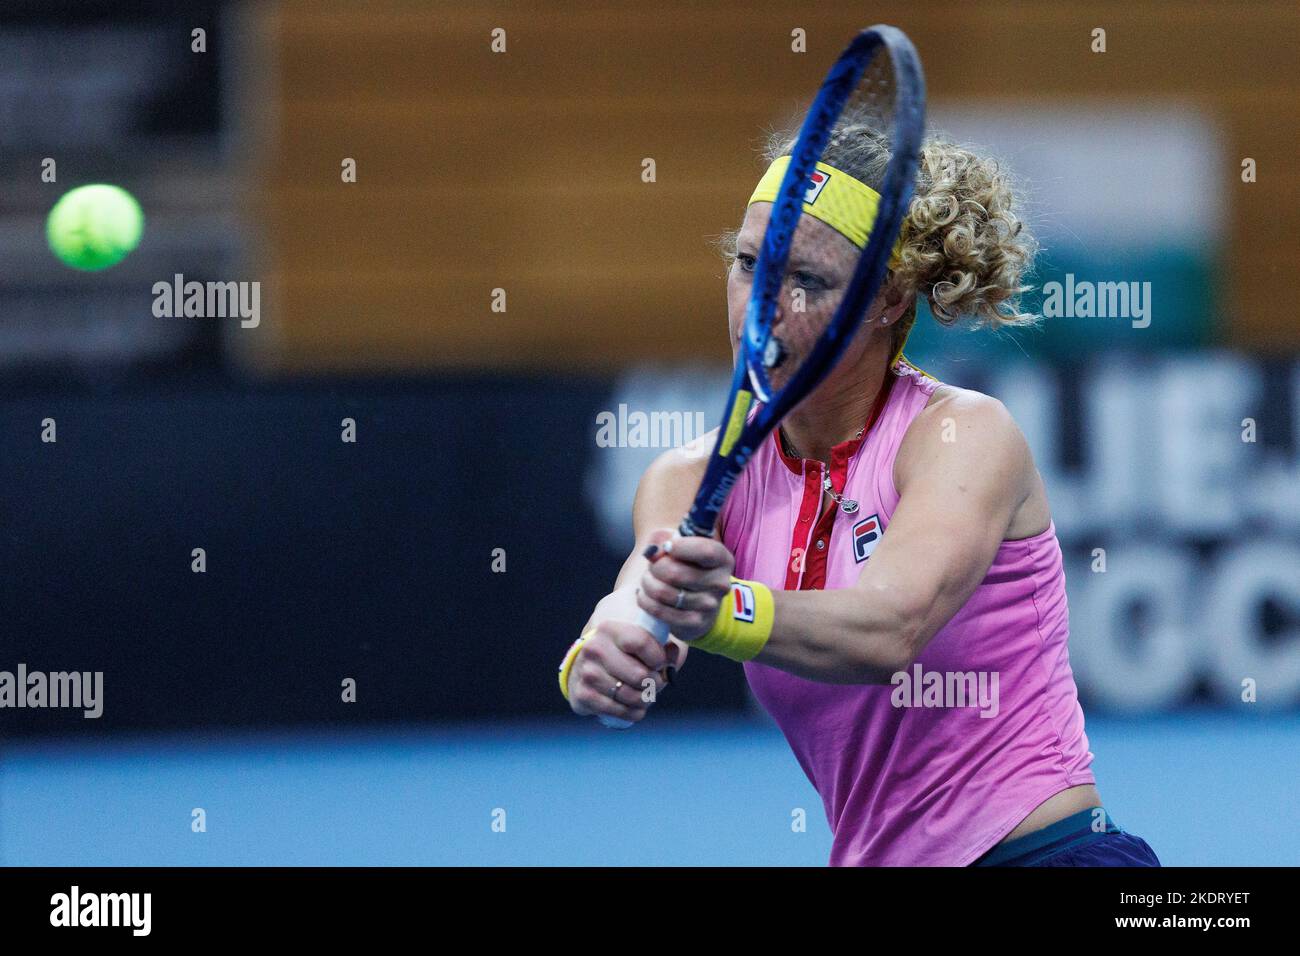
(742, 596)
(741, 629)
(866, 534)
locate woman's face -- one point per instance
(818, 271)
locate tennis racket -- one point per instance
(876, 80)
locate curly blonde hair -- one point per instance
(964, 247)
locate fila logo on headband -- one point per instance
(866, 535)
(817, 181)
(742, 608)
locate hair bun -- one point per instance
(963, 246)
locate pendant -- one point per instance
(847, 505)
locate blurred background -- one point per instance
(487, 297)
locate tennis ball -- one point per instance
(94, 227)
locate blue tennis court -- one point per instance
(1208, 789)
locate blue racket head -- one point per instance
(877, 84)
(810, 284)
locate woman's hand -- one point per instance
(686, 582)
(614, 669)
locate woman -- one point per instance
(902, 608)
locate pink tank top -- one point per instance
(911, 776)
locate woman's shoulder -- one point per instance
(668, 486)
(684, 463)
(965, 401)
(962, 428)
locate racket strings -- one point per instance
(823, 260)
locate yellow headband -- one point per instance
(845, 204)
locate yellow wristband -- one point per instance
(744, 622)
(570, 656)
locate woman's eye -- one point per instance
(808, 280)
(745, 261)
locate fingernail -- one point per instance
(651, 551)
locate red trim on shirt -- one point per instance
(806, 570)
(814, 575)
(801, 540)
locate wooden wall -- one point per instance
(523, 171)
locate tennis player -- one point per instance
(886, 567)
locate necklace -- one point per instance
(847, 505)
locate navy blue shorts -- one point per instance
(1073, 842)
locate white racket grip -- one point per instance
(658, 629)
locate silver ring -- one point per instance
(613, 691)
(681, 599)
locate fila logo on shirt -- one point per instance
(866, 534)
(742, 608)
(817, 182)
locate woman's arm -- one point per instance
(619, 650)
(962, 473)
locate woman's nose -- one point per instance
(782, 307)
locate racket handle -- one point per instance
(659, 631)
(657, 628)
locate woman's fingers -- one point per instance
(686, 625)
(601, 693)
(593, 706)
(674, 652)
(683, 594)
(699, 551)
(693, 564)
(690, 577)
(636, 642)
(615, 669)
(679, 597)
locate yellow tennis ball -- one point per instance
(94, 227)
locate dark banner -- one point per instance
(232, 555)
(331, 905)
(203, 555)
